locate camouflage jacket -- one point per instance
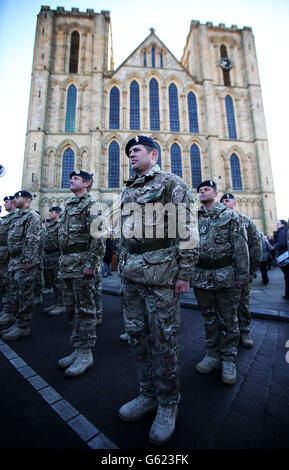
(224, 257)
(24, 238)
(254, 243)
(51, 245)
(4, 228)
(174, 259)
(78, 249)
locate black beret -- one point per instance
(23, 194)
(142, 140)
(8, 198)
(210, 183)
(227, 196)
(55, 208)
(83, 174)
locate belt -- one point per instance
(158, 244)
(76, 248)
(221, 263)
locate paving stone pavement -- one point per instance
(41, 409)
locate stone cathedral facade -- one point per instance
(204, 111)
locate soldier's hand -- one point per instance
(28, 266)
(182, 286)
(88, 272)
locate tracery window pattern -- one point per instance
(176, 160)
(71, 109)
(67, 167)
(113, 165)
(174, 108)
(195, 165)
(193, 112)
(236, 172)
(134, 106)
(230, 117)
(154, 105)
(114, 108)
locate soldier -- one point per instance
(254, 247)
(7, 311)
(23, 244)
(221, 273)
(39, 285)
(154, 271)
(81, 256)
(52, 254)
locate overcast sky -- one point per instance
(131, 20)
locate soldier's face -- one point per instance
(141, 161)
(78, 184)
(9, 205)
(20, 201)
(230, 203)
(207, 194)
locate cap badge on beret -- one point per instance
(136, 138)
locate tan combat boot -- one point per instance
(229, 373)
(164, 424)
(67, 360)
(137, 408)
(83, 361)
(16, 332)
(208, 364)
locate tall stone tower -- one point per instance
(72, 54)
(224, 61)
(205, 111)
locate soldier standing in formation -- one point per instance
(81, 255)
(23, 244)
(220, 275)
(255, 254)
(7, 311)
(52, 254)
(154, 271)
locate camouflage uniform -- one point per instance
(149, 269)
(4, 259)
(52, 254)
(223, 261)
(255, 248)
(98, 297)
(79, 250)
(23, 243)
(39, 285)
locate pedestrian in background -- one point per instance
(280, 247)
(266, 253)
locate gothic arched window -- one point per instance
(174, 108)
(226, 73)
(74, 50)
(114, 108)
(113, 165)
(71, 109)
(195, 166)
(144, 59)
(230, 117)
(193, 112)
(67, 167)
(176, 160)
(153, 57)
(154, 105)
(236, 172)
(134, 105)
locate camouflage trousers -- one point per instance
(244, 315)
(78, 298)
(55, 283)
(39, 282)
(98, 296)
(219, 308)
(22, 288)
(151, 317)
(5, 295)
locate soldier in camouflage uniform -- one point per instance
(52, 254)
(23, 244)
(255, 254)
(39, 285)
(154, 271)
(7, 311)
(220, 275)
(80, 258)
